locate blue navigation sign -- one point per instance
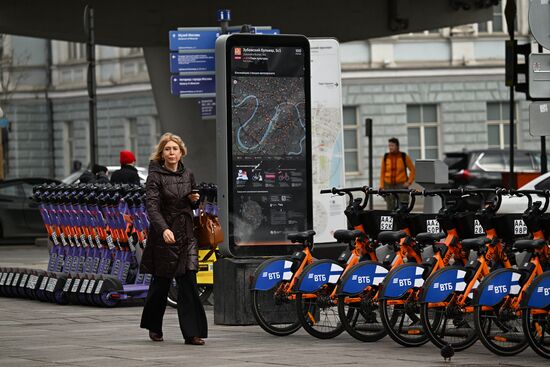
(193, 85)
(192, 60)
(192, 63)
(190, 40)
(208, 108)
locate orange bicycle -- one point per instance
(400, 291)
(446, 297)
(278, 283)
(502, 301)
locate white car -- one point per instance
(75, 176)
(515, 204)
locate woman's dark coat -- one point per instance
(169, 208)
(127, 174)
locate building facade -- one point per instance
(437, 91)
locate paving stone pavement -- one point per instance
(33, 333)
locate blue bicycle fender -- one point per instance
(270, 273)
(318, 274)
(360, 276)
(496, 286)
(538, 293)
(442, 283)
(402, 279)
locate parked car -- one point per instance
(19, 214)
(484, 168)
(75, 176)
(514, 204)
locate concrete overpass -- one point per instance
(145, 23)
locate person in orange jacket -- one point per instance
(394, 175)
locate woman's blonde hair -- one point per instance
(164, 139)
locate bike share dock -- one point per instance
(44, 334)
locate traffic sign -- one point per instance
(539, 118)
(539, 76)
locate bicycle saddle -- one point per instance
(427, 238)
(529, 245)
(475, 243)
(345, 235)
(391, 236)
(301, 236)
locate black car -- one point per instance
(484, 168)
(19, 214)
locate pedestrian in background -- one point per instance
(100, 174)
(127, 174)
(97, 175)
(394, 175)
(171, 250)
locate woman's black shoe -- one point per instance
(156, 337)
(194, 341)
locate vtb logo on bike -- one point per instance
(318, 277)
(406, 282)
(444, 286)
(543, 290)
(361, 279)
(271, 276)
(497, 289)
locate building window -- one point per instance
(76, 51)
(131, 135)
(498, 124)
(422, 131)
(69, 145)
(497, 24)
(351, 139)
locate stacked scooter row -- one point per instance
(98, 235)
(450, 278)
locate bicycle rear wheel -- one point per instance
(318, 314)
(361, 319)
(401, 318)
(449, 325)
(274, 311)
(500, 330)
(536, 326)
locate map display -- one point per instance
(326, 138)
(270, 145)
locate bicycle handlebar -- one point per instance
(395, 192)
(348, 191)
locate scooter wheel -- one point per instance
(105, 301)
(61, 298)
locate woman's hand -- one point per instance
(168, 236)
(193, 197)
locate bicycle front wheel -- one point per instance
(275, 312)
(361, 318)
(500, 330)
(401, 318)
(536, 325)
(449, 325)
(318, 314)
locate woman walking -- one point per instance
(171, 250)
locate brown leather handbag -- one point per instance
(208, 229)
